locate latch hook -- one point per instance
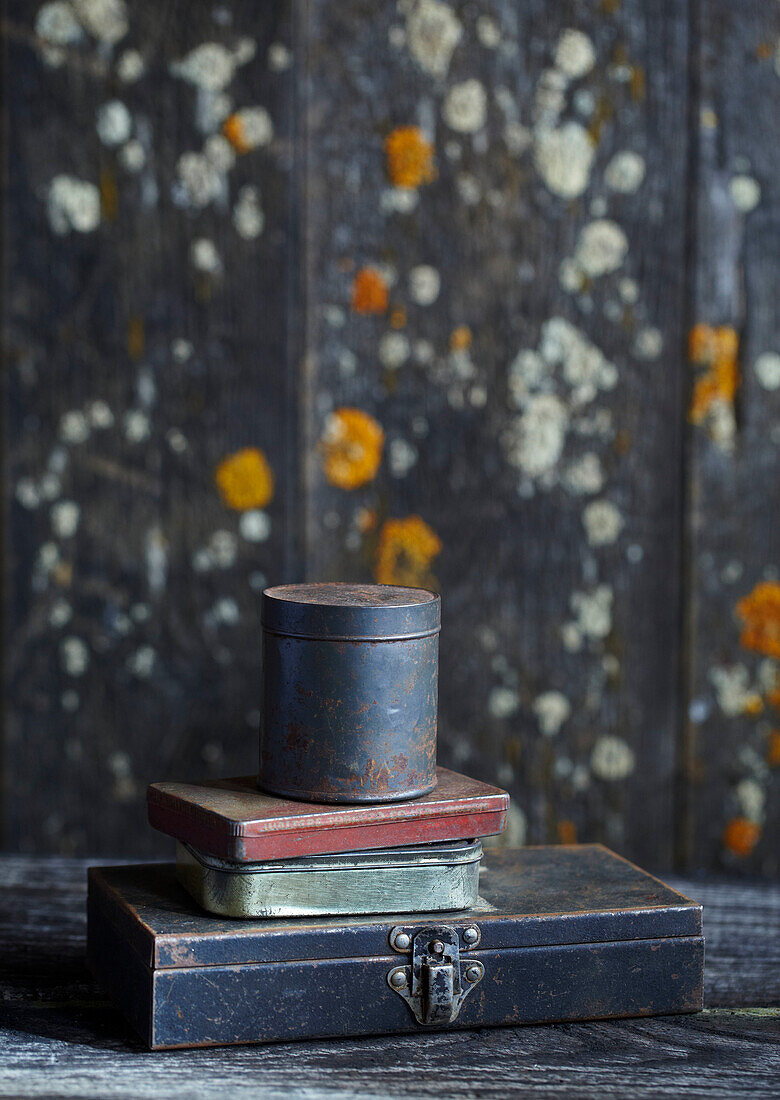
(438, 980)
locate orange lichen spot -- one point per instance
(398, 317)
(760, 612)
(567, 832)
(764, 50)
(637, 83)
(753, 705)
(460, 338)
(741, 836)
(406, 550)
(773, 749)
(717, 349)
(352, 448)
(136, 340)
(109, 194)
(233, 129)
(365, 520)
(245, 479)
(409, 157)
(369, 291)
(707, 344)
(773, 698)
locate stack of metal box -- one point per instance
(349, 813)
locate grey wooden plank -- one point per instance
(58, 1036)
(550, 488)
(734, 473)
(145, 345)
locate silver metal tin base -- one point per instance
(427, 878)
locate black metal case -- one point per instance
(563, 933)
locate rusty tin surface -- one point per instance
(232, 819)
(434, 877)
(563, 933)
(350, 692)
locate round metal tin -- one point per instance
(424, 878)
(350, 692)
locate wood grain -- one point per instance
(734, 475)
(579, 186)
(58, 1036)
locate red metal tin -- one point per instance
(350, 685)
(231, 819)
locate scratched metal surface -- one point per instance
(519, 221)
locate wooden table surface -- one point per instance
(60, 1037)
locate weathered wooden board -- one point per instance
(522, 354)
(149, 266)
(734, 445)
(59, 1036)
(486, 230)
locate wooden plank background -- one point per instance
(532, 250)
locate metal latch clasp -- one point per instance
(438, 980)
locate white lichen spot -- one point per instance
(402, 456)
(74, 427)
(141, 663)
(625, 172)
(612, 759)
(552, 708)
(254, 526)
(73, 204)
(27, 493)
(488, 32)
(585, 367)
(156, 559)
(137, 426)
(601, 247)
(515, 833)
(74, 655)
(752, 799)
(113, 123)
(99, 415)
(648, 343)
(536, 440)
(204, 256)
(393, 350)
(130, 67)
(634, 553)
(432, 32)
(255, 127)
(602, 521)
(210, 66)
(574, 54)
(223, 548)
(469, 188)
(248, 216)
(570, 275)
(571, 636)
(733, 689)
(181, 350)
(745, 193)
(61, 613)
(594, 611)
(628, 290)
(199, 179)
(56, 26)
(424, 284)
(132, 156)
(465, 107)
(65, 516)
(584, 476)
(517, 138)
(767, 370)
(398, 200)
(70, 702)
(105, 20)
(563, 158)
(279, 57)
(549, 98)
(503, 702)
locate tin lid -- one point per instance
(358, 612)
